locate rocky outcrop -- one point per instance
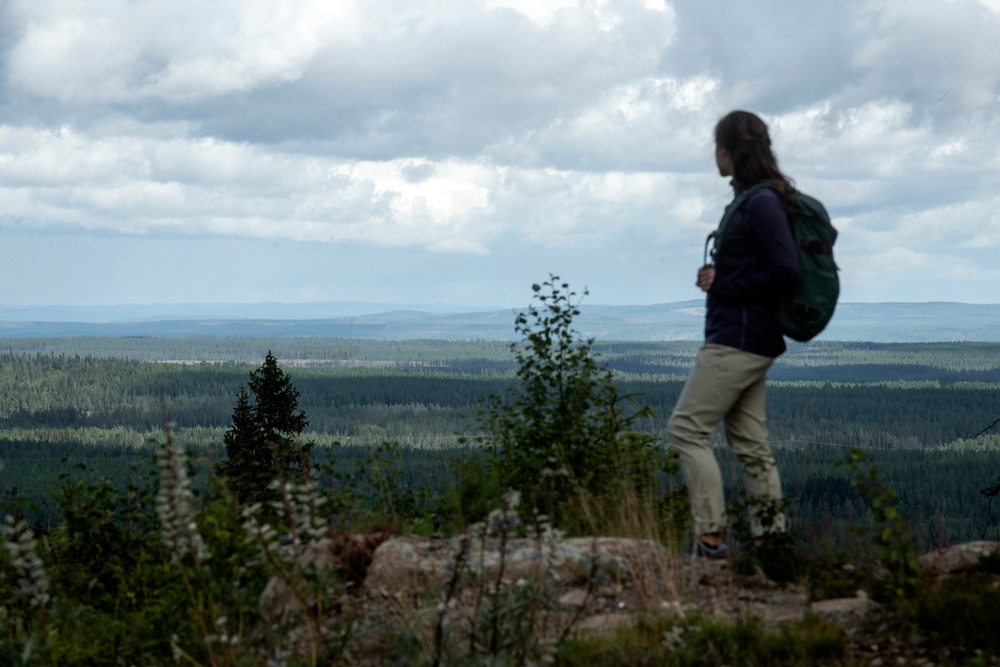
(342, 561)
(453, 588)
(601, 581)
(409, 563)
(957, 558)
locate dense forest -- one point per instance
(923, 411)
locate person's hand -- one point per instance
(706, 275)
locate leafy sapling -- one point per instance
(565, 434)
(892, 538)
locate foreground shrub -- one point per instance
(961, 614)
(891, 536)
(155, 575)
(565, 437)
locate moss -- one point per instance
(707, 641)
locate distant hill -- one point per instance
(877, 322)
(268, 310)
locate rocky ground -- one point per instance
(587, 585)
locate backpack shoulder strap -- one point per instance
(715, 238)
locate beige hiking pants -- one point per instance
(726, 384)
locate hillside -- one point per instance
(878, 322)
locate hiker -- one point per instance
(756, 265)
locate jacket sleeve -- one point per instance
(775, 268)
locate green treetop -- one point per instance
(261, 445)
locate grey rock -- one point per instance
(412, 563)
(578, 597)
(604, 624)
(844, 610)
(957, 558)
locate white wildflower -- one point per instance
(23, 549)
(299, 504)
(175, 504)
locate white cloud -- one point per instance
(992, 5)
(655, 123)
(502, 128)
(539, 12)
(132, 197)
(163, 185)
(899, 264)
(120, 51)
(940, 55)
(454, 191)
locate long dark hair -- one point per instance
(744, 135)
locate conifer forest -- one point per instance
(926, 414)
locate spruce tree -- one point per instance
(261, 445)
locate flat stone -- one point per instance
(844, 609)
(603, 624)
(958, 557)
(779, 607)
(577, 597)
(412, 563)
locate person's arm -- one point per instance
(769, 223)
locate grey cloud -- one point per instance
(771, 55)
(775, 56)
(941, 57)
(437, 87)
(418, 172)
(634, 128)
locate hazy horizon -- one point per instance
(682, 320)
(429, 307)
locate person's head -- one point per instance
(743, 151)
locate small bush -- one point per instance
(565, 435)
(892, 539)
(960, 614)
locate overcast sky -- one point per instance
(455, 151)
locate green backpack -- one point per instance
(806, 311)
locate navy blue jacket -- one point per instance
(756, 265)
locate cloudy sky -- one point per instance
(455, 151)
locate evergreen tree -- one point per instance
(261, 445)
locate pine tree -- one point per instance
(261, 445)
